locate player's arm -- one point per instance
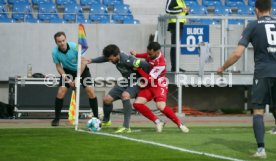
(139, 55)
(239, 50)
(172, 9)
(232, 59)
(63, 74)
(100, 59)
(83, 64)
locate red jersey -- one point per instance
(157, 69)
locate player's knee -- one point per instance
(83, 61)
(61, 93)
(90, 92)
(107, 99)
(258, 112)
(125, 96)
(160, 105)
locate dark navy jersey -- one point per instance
(262, 35)
(125, 64)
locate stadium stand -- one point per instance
(89, 2)
(245, 10)
(209, 3)
(234, 3)
(2, 2)
(111, 3)
(116, 11)
(98, 14)
(222, 10)
(65, 2)
(251, 3)
(46, 12)
(38, 2)
(20, 11)
(72, 12)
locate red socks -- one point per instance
(144, 110)
(171, 115)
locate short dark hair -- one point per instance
(111, 50)
(58, 34)
(263, 5)
(154, 45)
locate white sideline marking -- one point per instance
(162, 145)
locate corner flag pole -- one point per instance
(78, 87)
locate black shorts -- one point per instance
(264, 92)
(86, 79)
(116, 91)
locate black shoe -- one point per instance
(180, 70)
(55, 122)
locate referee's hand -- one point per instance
(71, 83)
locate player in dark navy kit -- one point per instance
(262, 35)
(125, 64)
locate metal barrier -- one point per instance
(161, 37)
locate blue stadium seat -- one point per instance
(64, 2)
(89, 2)
(245, 10)
(6, 20)
(117, 18)
(222, 10)
(3, 2)
(235, 22)
(251, 3)
(273, 12)
(98, 9)
(72, 12)
(98, 14)
(191, 3)
(12, 2)
(111, 3)
(3, 13)
(198, 10)
(121, 9)
(38, 2)
(30, 19)
(121, 13)
(56, 20)
(208, 3)
(234, 3)
(47, 12)
(20, 11)
(99, 18)
(274, 3)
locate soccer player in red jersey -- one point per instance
(155, 86)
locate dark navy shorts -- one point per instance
(117, 91)
(264, 92)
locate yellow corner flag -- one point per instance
(72, 109)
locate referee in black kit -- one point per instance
(262, 35)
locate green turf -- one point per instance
(65, 144)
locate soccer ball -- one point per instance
(94, 124)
